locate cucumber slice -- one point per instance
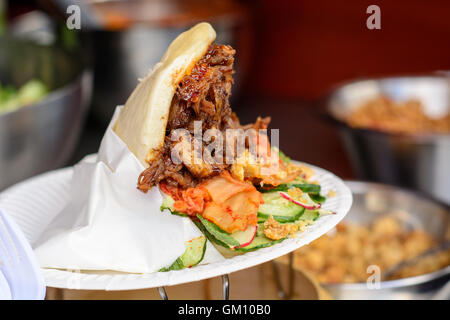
(258, 243)
(193, 255)
(195, 251)
(280, 209)
(233, 240)
(317, 198)
(305, 187)
(218, 233)
(209, 235)
(305, 201)
(309, 215)
(313, 190)
(261, 220)
(245, 237)
(260, 232)
(168, 204)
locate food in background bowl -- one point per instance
(417, 161)
(12, 98)
(382, 113)
(343, 257)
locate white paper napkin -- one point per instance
(110, 225)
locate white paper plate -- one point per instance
(35, 202)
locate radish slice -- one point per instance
(244, 237)
(310, 205)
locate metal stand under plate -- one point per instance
(291, 279)
(162, 293)
(225, 289)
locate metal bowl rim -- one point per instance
(397, 283)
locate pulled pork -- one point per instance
(203, 95)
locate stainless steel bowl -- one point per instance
(420, 162)
(42, 136)
(370, 200)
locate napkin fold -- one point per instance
(109, 225)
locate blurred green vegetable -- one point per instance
(29, 93)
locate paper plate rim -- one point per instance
(100, 280)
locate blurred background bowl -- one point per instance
(419, 161)
(42, 136)
(373, 200)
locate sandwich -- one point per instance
(241, 192)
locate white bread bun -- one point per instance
(142, 121)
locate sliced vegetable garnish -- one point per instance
(279, 208)
(317, 198)
(193, 255)
(238, 239)
(258, 243)
(209, 235)
(168, 205)
(310, 215)
(305, 202)
(244, 237)
(233, 240)
(218, 233)
(305, 187)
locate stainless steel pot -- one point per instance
(370, 200)
(42, 136)
(421, 162)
